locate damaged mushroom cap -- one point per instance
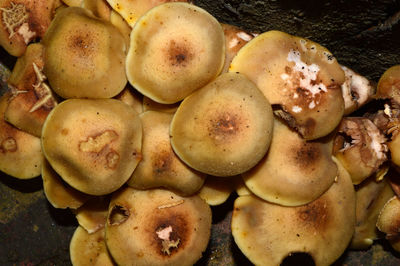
(360, 147)
(149, 104)
(94, 145)
(32, 98)
(267, 233)
(58, 193)
(224, 128)
(160, 167)
(235, 39)
(89, 249)
(20, 152)
(84, 55)
(294, 171)
(370, 197)
(131, 11)
(356, 89)
(157, 227)
(176, 48)
(389, 218)
(92, 216)
(22, 21)
(216, 190)
(389, 84)
(301, 79)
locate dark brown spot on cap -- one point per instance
(179, 54)
(162, 161)
(224, 127)
(314, 216)
(306, 155)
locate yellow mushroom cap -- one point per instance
(160, 167)
(267, 233)
(299, 77)
(84, 55)
(294, 171)
(94, 145)
(216, 190)
(89, 249)
(389, 84)
(224, 128)
(176, 48)
(92, 215)
(389, 218)
(157, 227)
(20, 153)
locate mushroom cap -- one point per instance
(267, 233)
(216, 190)
(94, 145)
(21, 154)
(89, 249)
(157, 227)
(370, 197)
(22, 22)
(99, 8)
(92, 216)
(294, 171)
(393, 146)
(389, 218)
(131, 97)
(240, 186)
(131, 11)
(176, 48)
(224, 128)
(58, 193)
(32, 99)
(160, 167)
(149, 104)
(299, 77)
(365, 152)
(389, 84)
(84, 55)
(122, 26)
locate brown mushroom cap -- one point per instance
(267, 233)
(58, 193)
(89, 249)
(175, 49)
(360, 147)
(84, 55)
(92, 216)
(157, 227)
(160, 167)
(294, 171)
(216, 190)
(94, 145)
(224, 128)
(301, 78)
(131, 97)
(122, 26)
(389, 218)
(389, 84)
(20, 153)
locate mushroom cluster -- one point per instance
(140, 115)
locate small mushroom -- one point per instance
(224, 128)
(131, 97)
(58, 193)
(20, 153)
(92, 215)
(89, 249)
(356, 89)
(216, 190)
(360, 147)
(389, 222)
(84, 56)
(301, 79)
(389, 85)
(157, 227)
(267, 233)
(94, 145)
(294, 171)
(160, 167)
(240, 187)
(99, 8)
(176, 48)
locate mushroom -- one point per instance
(131, 11)
(356, 89)
(294, 171)
(94, 145)
(32, 98)
(160, 167)
(131, 97)
(122, 26)
(301, 79)
(149, 104)
(389, 221)
(224, 128)
(89, 249)
(84, 55)
(92, 216)
(76, 3)
(157, 227)
(216, 190)
(23, 21)
(360, 147)
(58, 193)
(370, 197)
(20, 152)
(389, 85)
(240, 187)
(267, 233)
(99, 8)
(176, 48)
